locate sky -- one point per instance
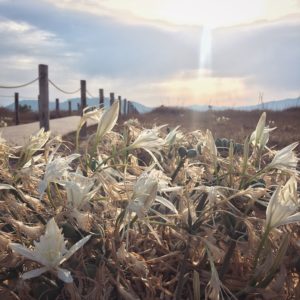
(170, 52)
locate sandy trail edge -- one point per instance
(17, 135)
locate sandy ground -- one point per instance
(17, 135)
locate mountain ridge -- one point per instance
(276, 105)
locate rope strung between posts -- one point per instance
(28, 97)
(7, 96)
(61, 90)
(19, 86)
(20, 97)
(90, 94)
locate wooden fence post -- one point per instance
(57, 107)
(128, 107)
(125, 107)
(120, 105)
(83, 132)
(112, 98)
(101, 98)
(17, 108)
(132, 109)
(70, 107)
(39, 107)
(44, 97)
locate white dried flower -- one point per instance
(285, 160)
(214, 194)
(260, 136)
(173, 135)
(283, 205)
(148, 140)
(210, 143)
(162, 179)
(79, 193)
(89, 113)
(50, 252)
(210, 148)
(93, 114)
(78, 189)
(56, 170)
(144, 194)
(108, 120)
(34, 143)
(37, 141)
(164, 182)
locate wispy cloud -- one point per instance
(264, 53)
(143, 61)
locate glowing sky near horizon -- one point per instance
(157, 51)
(216, 13)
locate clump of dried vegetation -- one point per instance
(236, 124)
(149, 214)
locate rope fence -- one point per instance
(20, 96)
(61, 90)
(43, 97)
(6, 96)
(89, 94)
(20, 85)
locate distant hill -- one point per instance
(276, 105)
(75, 101)
(272, 105)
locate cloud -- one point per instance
(265, 53)
(107, 52)
(143, 61)
(21, 38)
(106, 46)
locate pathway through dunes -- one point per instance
(17, 135)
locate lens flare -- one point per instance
(205, 49)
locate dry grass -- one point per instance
(205, 244)
(240, 125)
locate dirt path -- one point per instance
(17, 135)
